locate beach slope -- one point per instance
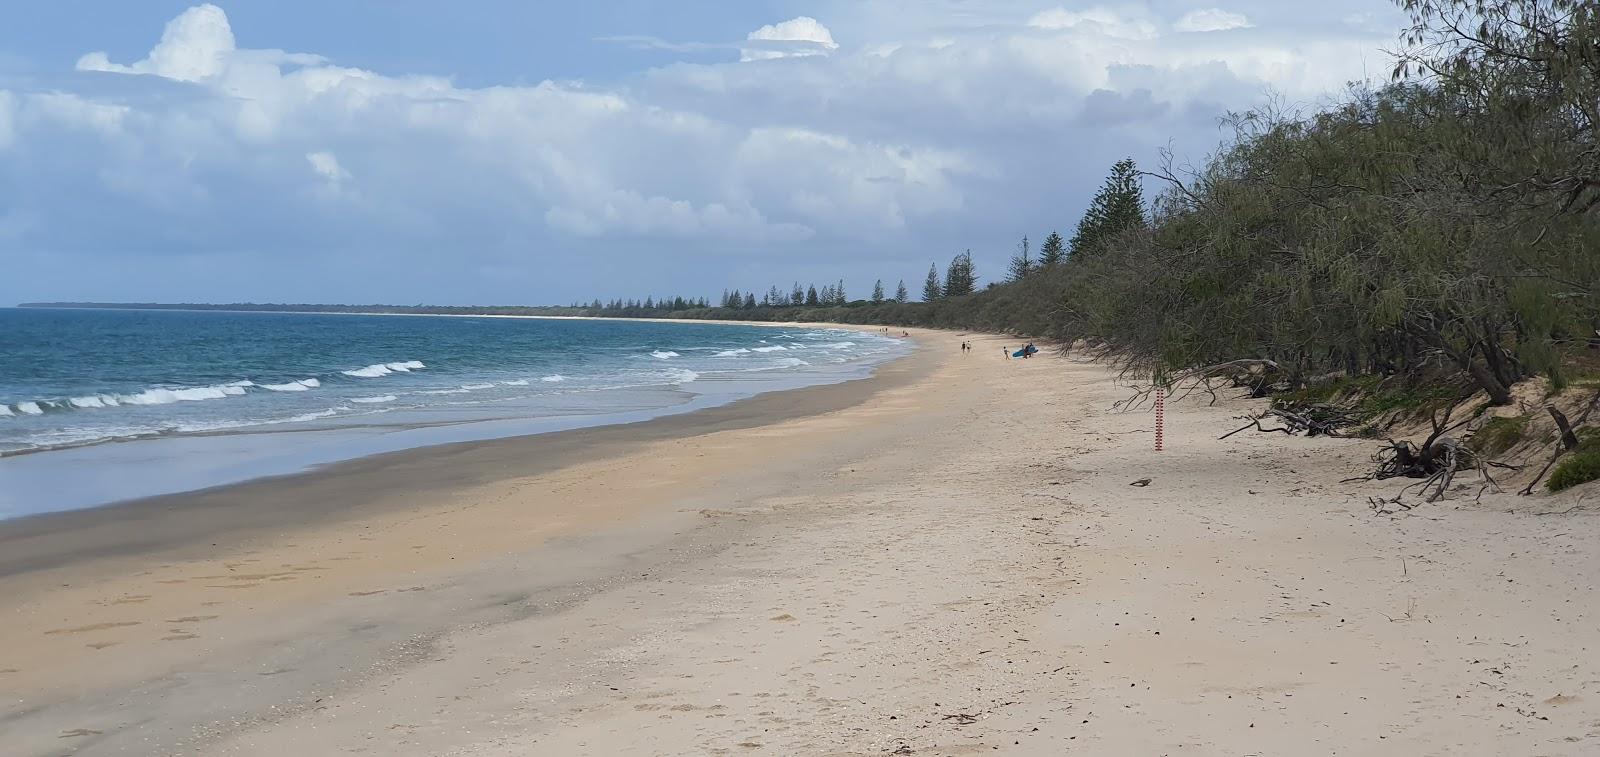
(949, 558)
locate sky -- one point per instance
(507, 152)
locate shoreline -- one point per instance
(269, 450)
(33, 542)
(954, 562)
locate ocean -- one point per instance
(100, 406)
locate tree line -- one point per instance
(1442, 225)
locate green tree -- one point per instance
(811, 295)
(900, 294)
(932, 290)
(961, 278)
(1117, 207)
(877, 292)
(1053, 252)
(1021, 264)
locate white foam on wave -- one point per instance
(383, 369)
(447, 391)
(303, 385)
(518, 382)
(312, 416)
(5, 410)
(772, 348)
(556, 379)
(681, 375)
(375, 400)
(733, 353)
(29, 408)
(836, 345)
(664, 354)
(161, 396)
(476, 387)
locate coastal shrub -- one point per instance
(1498, 435)
(1581, 466)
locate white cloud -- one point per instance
(1096, 20)
(913, 141)
(326, 165)
(797, 37)
(1211, 20)
(195, 46)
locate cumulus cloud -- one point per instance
(909, 144)
(195, 46)
(1097, 20)
(1211, 20)
(797, 37)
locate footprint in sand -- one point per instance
(194, 618)
(95, 627)
(102, 644)
(131, 600)
(180, 637)
(367, 593)
(78, 732)
(784, 617)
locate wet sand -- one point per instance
(945, 559)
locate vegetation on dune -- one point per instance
(1580, 467)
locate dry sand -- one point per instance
(946, 559)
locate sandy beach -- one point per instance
(947, 558)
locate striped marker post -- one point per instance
(1161, 416)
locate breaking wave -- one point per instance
(383, 369)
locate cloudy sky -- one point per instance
(502, 151)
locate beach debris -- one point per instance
(1302, 417)
(1141, 482)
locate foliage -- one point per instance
(1021, 264)
(1579, 467)
(932, 290)
(1053, 252)
(1498, 434)
(961, 278)
(1118, 207)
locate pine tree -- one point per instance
(901, 295)
(798, 296)
(932, 289)
(1053, 252)
(839, 297)
(1117, 207)
(961, 278)
(811, 295)
(1021, 265)
(750, 302)
(877, 292)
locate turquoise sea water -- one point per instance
(99, 406)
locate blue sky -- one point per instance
(511, 152)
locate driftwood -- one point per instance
(1435, 462)
(1309, 418)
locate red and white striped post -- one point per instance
(1161, 416)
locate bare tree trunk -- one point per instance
(1568, 438)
